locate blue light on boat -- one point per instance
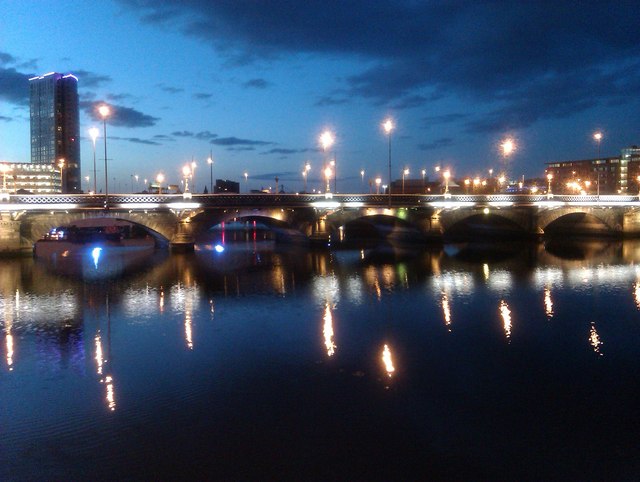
(219, 248)
(95, 254)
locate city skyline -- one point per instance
(256, 84)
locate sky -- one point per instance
(255, 83)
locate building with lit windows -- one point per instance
(28, 178)
(607, 175)
(55, 126)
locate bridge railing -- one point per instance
(150, 201)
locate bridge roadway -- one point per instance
(178, 219)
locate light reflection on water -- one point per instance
(297, 331)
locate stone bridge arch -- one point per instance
(521, 219)
(612, 219)
(34, 225)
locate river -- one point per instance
(255, 361)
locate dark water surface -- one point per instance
(265, 362)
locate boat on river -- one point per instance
(80, 239)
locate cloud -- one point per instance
(182, 134)
(14, 86)
(437, 144)
(256, 84)
(281, 150)
(202, 96)
(205, 135)
(6, 58)
(90, 79)
(170, 90)
(487, 54)
(327, 100)
(5, 119)
(121, 116)
(135, 140)
(234, 141)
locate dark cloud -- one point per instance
(14, 86)
(437, 144)
(205, 135)
(5, 119)
(121, 116)
(327, 100)
(280, 150)
(6, 58)
(163, 137)
(234, 141)
(489, 53)
(118, 97)
(202, 96)
(241, 149)
(182, 134)
(256, 84)
(90, 79)
(135, 140)
(170, 89)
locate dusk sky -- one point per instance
(256, 82)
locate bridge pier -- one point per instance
(10, 238)
(182, 240)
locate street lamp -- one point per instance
(105, 111)
(210, 162)
(94, 132)
(160, 180)
(467, 182)
(86, 178)
(327, 175)
(186, 172)
(378, 182)
(598, 138)
(246, 180)
(549, 178)
(61, 166)
(405, 172)
(326, 140)
(362, 180)
(424, 173)
(446, 174)
(388, 127)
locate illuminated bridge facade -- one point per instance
(178, 220)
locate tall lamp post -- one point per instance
(388, 127)
(105, 112)
(246, 180)
(362, 181)
(378, 182)
(405, 172)
(424, 173)
(94, 132)
(160, 180)
(61, 166)
(210, 162)
(549, 179)
(327, 140)
(186, 172)
(446, 174)
(598, 138)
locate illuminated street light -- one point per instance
(508, 146)
(362, 182)
(326, 141)
(86, 178)
(94, 132)
(378, 182)
(327, 175)
(405, 172)
(186, 172)
(446, 174)
(388, 127)
(598, 138)
(467, 183)
(105, 111)
(160, 180)
(61, 166)
(424, 173)
(210, 162)
(549, 178)
(246, 180)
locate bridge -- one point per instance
(177, 220)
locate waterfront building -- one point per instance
(28, 178)
(225, 186)
(55, 126)
(606, 175)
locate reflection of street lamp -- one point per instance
(94, 132)
(160, 180)
(61, 166)
(378, 182)
(105, 112)
(210, 162)
(388, 127)
(405, 172)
